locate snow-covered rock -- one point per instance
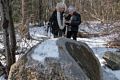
(57, 59)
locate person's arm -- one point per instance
(50, 23)
(76, 20)
(67, 20)
(51, 19)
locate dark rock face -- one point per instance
(113, 60)
(2, 69)
(76, 62)
(85, 57)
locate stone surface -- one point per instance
(1, 69)
(112, 59)
(84, 56)
(76, 62)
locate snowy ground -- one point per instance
(2, 78)
(97, 45)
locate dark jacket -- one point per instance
(75, 22)
(53, 20)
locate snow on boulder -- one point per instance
(57, 59)
(46, 49)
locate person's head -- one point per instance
(71, 9)
(61, 7)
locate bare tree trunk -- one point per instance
(6, 22)
(7, 46)
(40, 11)
(12, 35)
(25, 19)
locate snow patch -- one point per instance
(2, 78)
(37, 32)
(93, 42)
(1, 46)
(46, 49)
(117, 74)
(28, 43)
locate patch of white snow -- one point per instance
(1, 46)
(2, 78)
(46, 49)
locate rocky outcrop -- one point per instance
(112, 59)
(75, 61)
(2, 69)
(84, 56)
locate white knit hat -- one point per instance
(71, 9)
(61, 5)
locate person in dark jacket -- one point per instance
(73, 21)
(57, 20)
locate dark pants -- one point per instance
(72, 34)
(58, 32)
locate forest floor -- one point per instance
(97, 44)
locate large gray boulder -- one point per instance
(67, 60)
(112, 59)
